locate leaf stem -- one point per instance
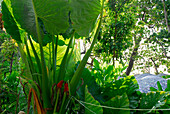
(77, 75)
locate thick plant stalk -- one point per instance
(63, 102)
(46, 91)
(32, 68)
(54, 58)
(77, 75)
(56, 102)
(63, 63)
(37, 60)
(24, 58)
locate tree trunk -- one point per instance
(154, 66)
(166, 16)
(132, 58)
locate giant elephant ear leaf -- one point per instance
(25, 15)
(84, 15)
(53, 13)
(9, 22)
(89, 108)
(117, 102)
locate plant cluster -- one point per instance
(54, 79)
(122, 96)
(11, 94)
(43, 22)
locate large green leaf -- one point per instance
(128, 84)
(152, 100)
(93, 88)
(117, 102)
(25, 15)
(84, 14)
(89, 109)
(9, 22)
(53, 13)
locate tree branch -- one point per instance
(154, 65)
(166, 16)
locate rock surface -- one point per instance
(146, 81)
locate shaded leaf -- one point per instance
(9, 23)
(152, 100)
(117, 102)
(89, 99)
(84, 15)
(54, 15)
(93, 88)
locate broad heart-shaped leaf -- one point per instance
(117, 102)
(53, 13)
(93, 88)
(25, 15)
(90, 108)
(9, 23)
(84, 14)
(127, 84)
(152, 100)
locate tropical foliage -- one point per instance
(42, 70)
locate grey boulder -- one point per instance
(146, 81)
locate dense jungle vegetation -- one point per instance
(82, 56)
